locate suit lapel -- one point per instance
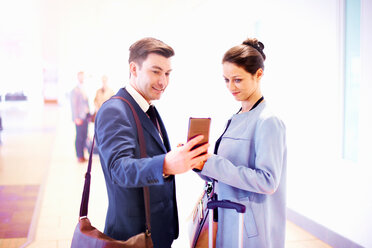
(146, 122)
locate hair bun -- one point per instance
(258, 45)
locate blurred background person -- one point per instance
(102, 94)
(80, 116)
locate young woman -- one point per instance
(249, 164)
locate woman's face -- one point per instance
(242, 85)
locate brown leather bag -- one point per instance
(86, 235)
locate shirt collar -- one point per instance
(140, 100)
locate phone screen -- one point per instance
(198, 126)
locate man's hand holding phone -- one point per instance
(185, 158)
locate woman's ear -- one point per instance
(259, 73)
(133, 69)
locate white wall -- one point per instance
(303, 81)
(321, 185)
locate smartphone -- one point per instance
(199, 126)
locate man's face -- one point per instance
(152, 77)
(81, 77)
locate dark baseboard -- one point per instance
(331, 238)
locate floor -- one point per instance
(41, 183)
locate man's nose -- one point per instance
(163, 80)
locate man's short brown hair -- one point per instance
(139, 51)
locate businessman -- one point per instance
(125, 172)
(80, 116)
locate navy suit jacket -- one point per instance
(126, 173)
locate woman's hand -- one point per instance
(200, 165)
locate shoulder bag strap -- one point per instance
(142, 143)
(85, 197)
(146, 193)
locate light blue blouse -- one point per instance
(250, 168)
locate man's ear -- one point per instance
(133, 68)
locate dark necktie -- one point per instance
(152, 114)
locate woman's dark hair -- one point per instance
(139, 51)
(248, 55)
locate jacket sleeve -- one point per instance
(116, 136)
(264, 177)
